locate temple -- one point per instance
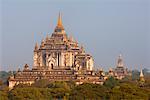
(120, 71)
(60, 52)
(58, 58)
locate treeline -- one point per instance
(111, 90)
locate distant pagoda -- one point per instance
(120, 71)
(142, 80)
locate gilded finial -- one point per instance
(59, 28)
(142, 80)
(59, 23)
(141, 73)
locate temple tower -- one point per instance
(142, 76)
(120, 61)
(120, 70)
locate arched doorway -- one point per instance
(51, 63)
(52, 66)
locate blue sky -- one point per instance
(105, 28)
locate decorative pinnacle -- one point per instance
(120, 61)
(141, 73)
(59, 23)
(36, 46)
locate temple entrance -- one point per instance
(51, 63)
(52, 66)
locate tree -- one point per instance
(111, 82)
(111, 90)
(22, 85)
(128, 91)
(89, 91)
(3, 95)
(30, 93)
(41, 83)
(59, 89)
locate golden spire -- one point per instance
(59, 28)
(141, 73)
(59, 23)
(142, 80)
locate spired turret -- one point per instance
(59, 28)
(35, 56)
(47, 37)
(42, 43)
(120, 71)
(26, 67)
(120, 61)
(36, 46)
(142, 76)
(82, 49)
(11, 81)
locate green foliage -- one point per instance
(31, 93)
(41, 83)
(71, 84)
(89, 91)
(45, 90)
(111, 82)
(147, 83)
(126, 79)
(59, 89)
(3, 95)
(128, 92)
(22, 86)
(59, 84)
(42, 89)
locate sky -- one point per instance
(106, 28)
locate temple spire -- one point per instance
(36, 46)
(59, 28)
(59, 23)
(120, 61)
(142, 80)
(141, 73)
